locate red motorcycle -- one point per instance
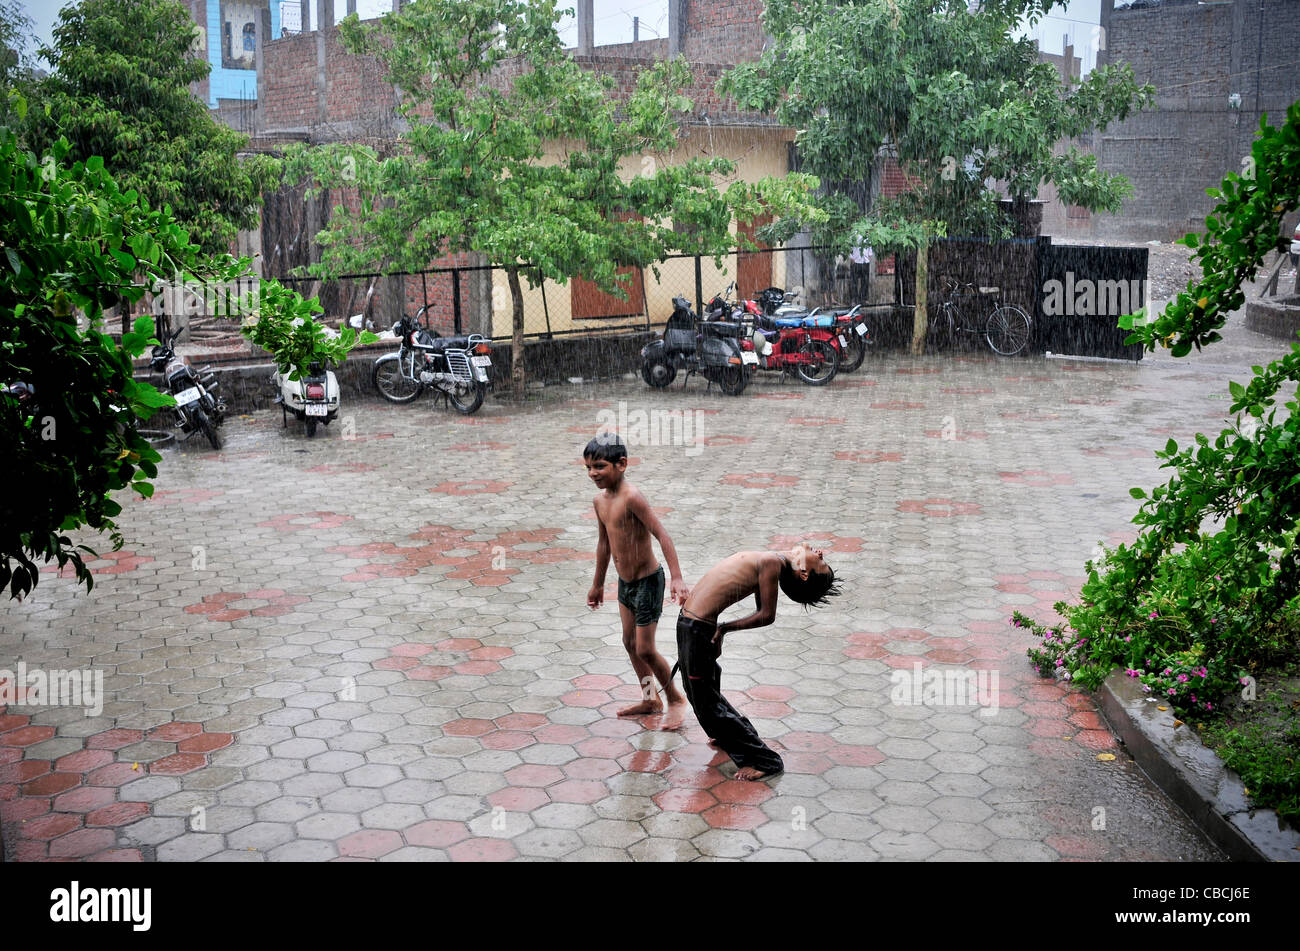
(851, 335)
(805, 352)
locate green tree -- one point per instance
(487, 89)
(74, 243)
(15, 69)
(120, 89)
(1209, 587)
(951, 93)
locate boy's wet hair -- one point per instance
(816, 590)
(607, 447)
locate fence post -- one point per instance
(455, 298)
(699, 287)
(545, 308)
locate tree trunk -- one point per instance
(919, 319)
(517, 368)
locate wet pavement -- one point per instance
(375, 645)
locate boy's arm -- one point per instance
(769, 574)
(678, 589)
(596, 596)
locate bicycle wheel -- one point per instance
(826, 360)
(1007, 330)
(392, 384)
(467, 397)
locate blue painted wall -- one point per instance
(231, 83)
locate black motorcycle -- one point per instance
(197, 409)
(710, 348)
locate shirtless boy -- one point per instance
(626, 524)
(804, 576)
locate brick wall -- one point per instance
(1196, 56)
(729, 32)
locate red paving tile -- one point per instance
(1097, 740)
(482, 850)
(739, 792)
(605, 747)
(592, 768)
(83, 842)
(468, 727)
(561, 733)
(533, 774)
(27, 735)
(178, 763)
(20, 810)
(436, 834)
(205, 743)
(578, 791)
(855, 755)
(521, 721)
(728, 816)
(684, 800)
(51, 784)
(428, 672)
(519, 799)
(507, 740)
(51, 826)
(171, 732)
(114, 739)
(645, 761)
(83, 761)
(370, 843)
(114, 774)
(84, 799)
(118, 814)
(23, 771)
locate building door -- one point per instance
(753, 270)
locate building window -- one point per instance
(239, 32)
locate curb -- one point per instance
(1193, 776)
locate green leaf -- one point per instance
(1138, 493)
(15, 261)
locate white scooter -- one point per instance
(314, 398)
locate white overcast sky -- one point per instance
(614, 19)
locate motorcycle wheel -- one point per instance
(820, 371)
(204, 425)
(467, 397)
(854, 353)
(391, 383)
(311, 428)
(732, 381)
(658, 374)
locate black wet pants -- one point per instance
(702, 683)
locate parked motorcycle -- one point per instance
(803, 351)
(851, 336)
(197, 409)
(455, 367)
(710, 348)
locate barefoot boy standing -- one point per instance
(626, 524)
(806, 579)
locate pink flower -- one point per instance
(1169, 670)
(1182, 678)
(1209, 706)
(1154, 615)
(1170, 691)
(1146, 688)
(1059, 662)
(1129, 638)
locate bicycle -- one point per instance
(1006, 329)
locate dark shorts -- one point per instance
(645, 597)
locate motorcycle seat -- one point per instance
(444, 343)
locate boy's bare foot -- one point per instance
(749, 774)
(641, 709)
(674, 715)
